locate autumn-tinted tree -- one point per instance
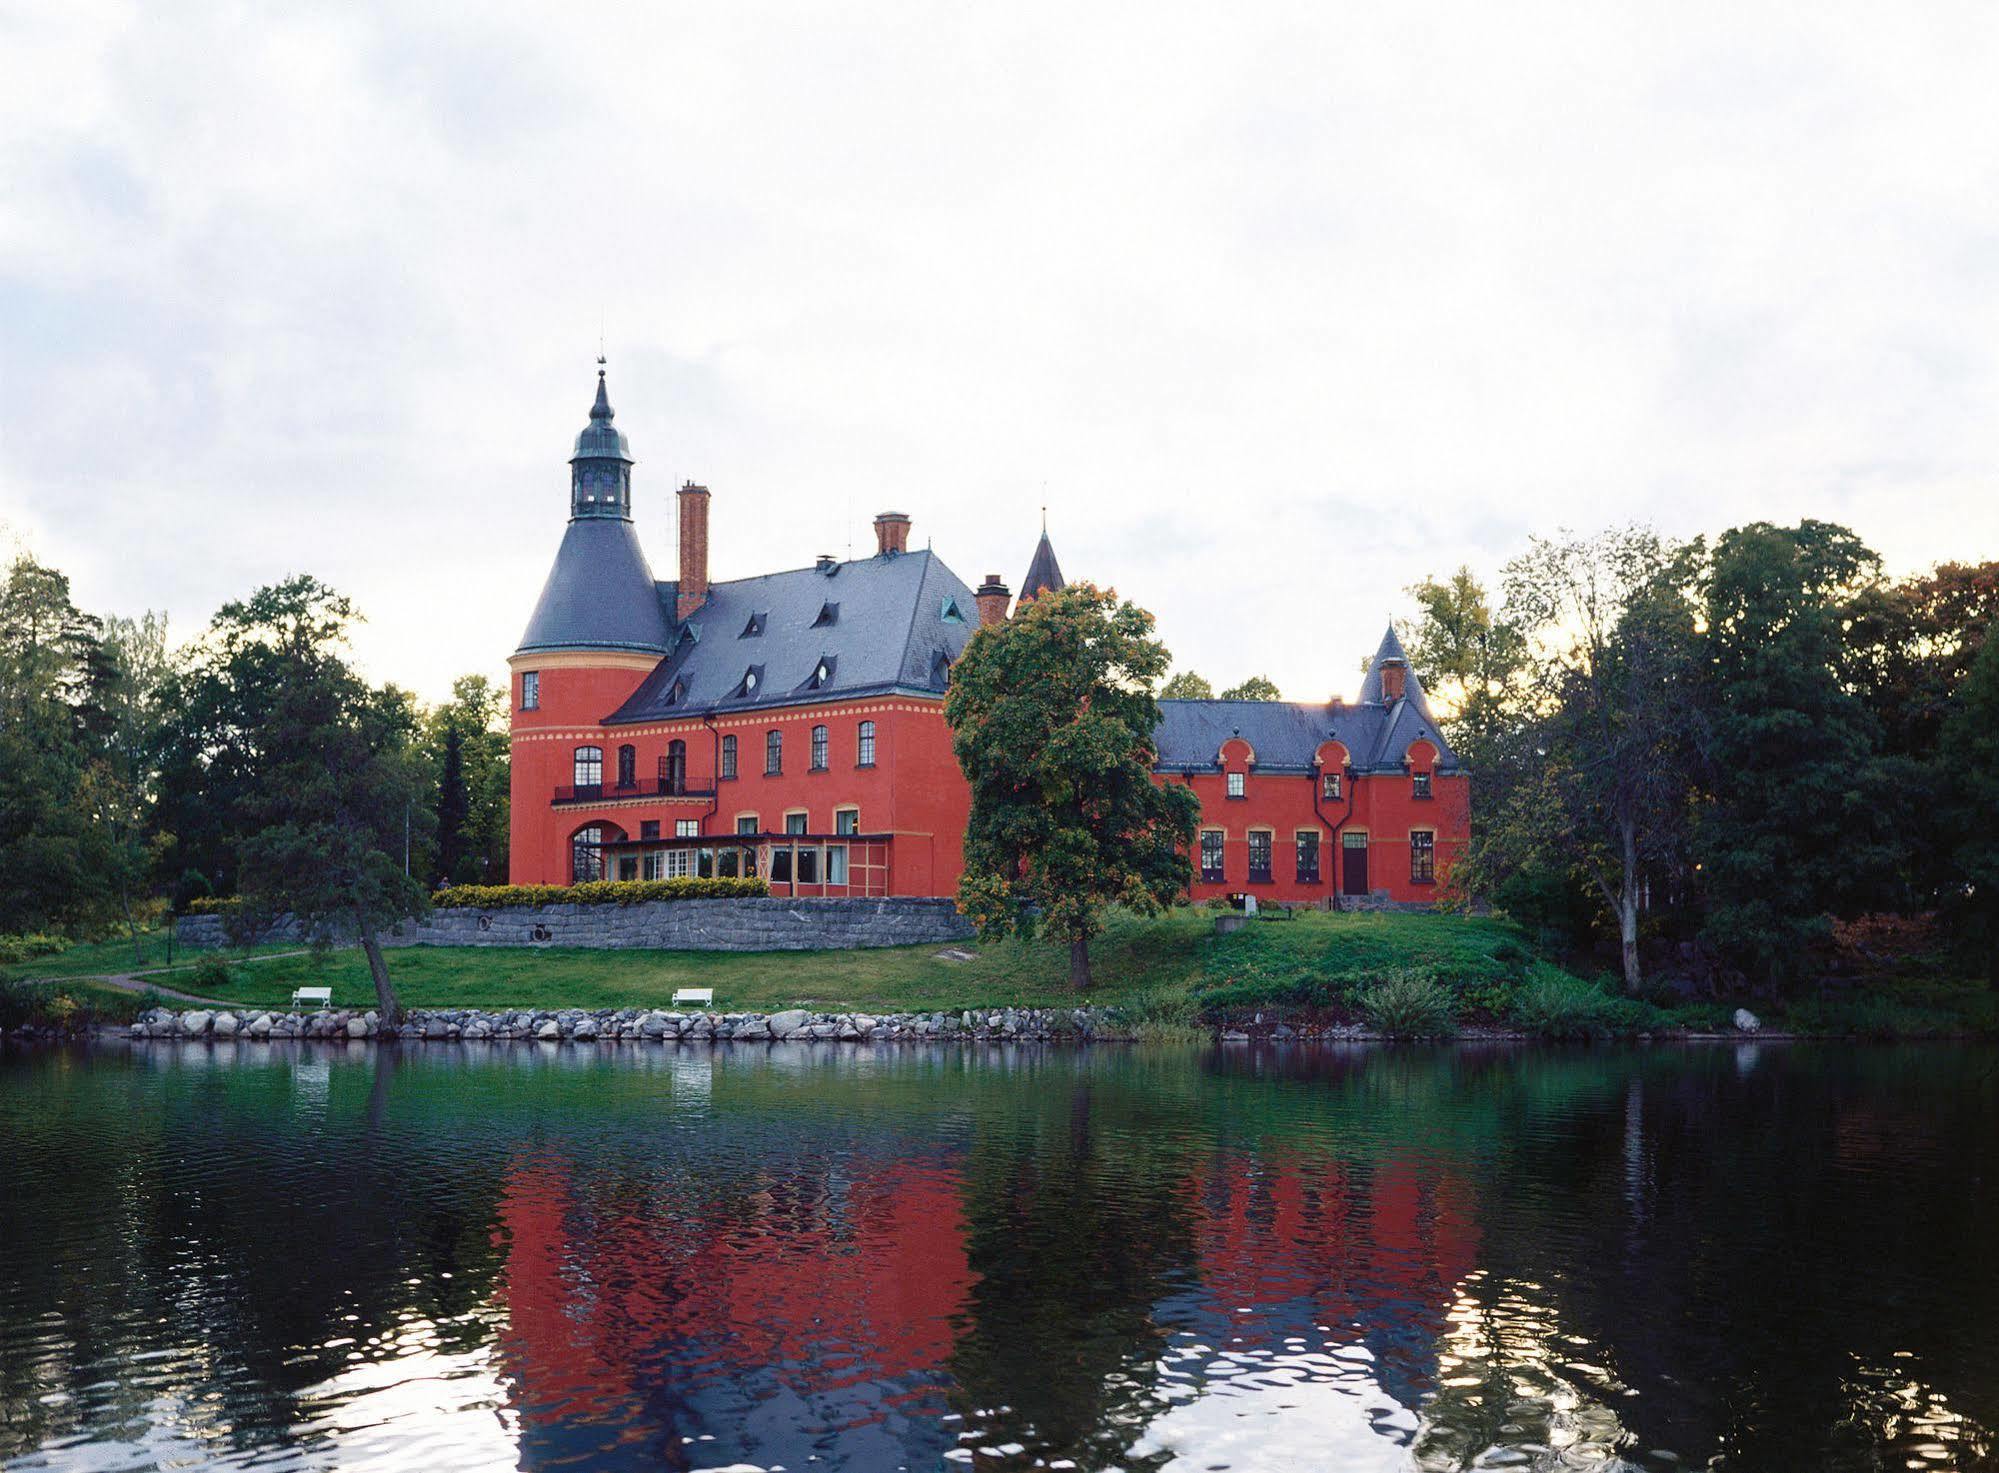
(1052, 718)
(1473, 662)
(1186, 685)
(1256, 688)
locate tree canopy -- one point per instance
(1052, 718)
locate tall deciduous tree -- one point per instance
(334, 788)
(465, 742)
(1052, 718)
(1256, 688)
(1794, 829)
(1602, 787)
(1473, 662)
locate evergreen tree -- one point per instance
(1052, 718)
(454, 804)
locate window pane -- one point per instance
(836, 864)
(808, 866)
(1422, 857)
(530, 689)
(589, 767)
(1211, 854)
(1235, 784)
(867, 744)
(1421, 784)
(780, 864)
(686, 828)
(1308, 854)
(747, 824)
(819, 745)
(1259, 855)
(1330, 783)
(794, 823)
(728, 756)
(847, 821)
(774, 752)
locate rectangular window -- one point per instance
(1419, 785)
(628, 766)
(847, 821)
(867, 745)
(1422, 857)
(1235, 784)
(794, 823)
(628, 867)
(1259, 856)
(808, 866)
(780, 865)
(728, 757)
(726, 861)
(655, 863)
(746, 823)
(686, 828)
(589, 767)
(1211, 856)
(773, 753)
(819, 748)
(1308, 856)
(648, 828)
(530, 690)
(1329, 787)
(836, 864)
(679, 864)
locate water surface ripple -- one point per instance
(303, 1256)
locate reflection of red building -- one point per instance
(626, 1299)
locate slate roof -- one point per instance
(864, 627)
(1043, 572)
(600, 594)
(1286, 734)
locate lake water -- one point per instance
(306, 1256)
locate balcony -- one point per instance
(664, 787)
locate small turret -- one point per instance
(600, 472)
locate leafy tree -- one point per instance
(1913, 643)
(323, 774)
(1793, 829)
(1256, 688)
(1186, 685)
(1601, 768)
(465, 742)
(1969, 758)
(454, 803)
(1474, 663)
(122, 787)
(1052, 719)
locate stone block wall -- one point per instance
(751, 924)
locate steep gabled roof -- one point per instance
(902, 620)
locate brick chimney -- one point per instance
(693, 549)
(892, 532)
(992, 596)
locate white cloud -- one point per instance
(1283, 308)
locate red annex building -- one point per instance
(791, 725)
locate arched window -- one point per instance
(628, 766)
(586, 855)
(589, 767)
(673, 767)
(819, 745)
(728, 756)
(867, 745)
(773, 753)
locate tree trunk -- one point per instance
(1079, 964)
(1627, 910)
(391, 1011)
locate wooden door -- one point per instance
(1353, 864)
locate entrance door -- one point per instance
(1353, 864)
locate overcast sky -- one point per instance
(1277, 309)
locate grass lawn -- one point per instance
(108, 958)
(1136, 962)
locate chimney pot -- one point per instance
(891, 533)
(992, 598)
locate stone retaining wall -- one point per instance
(634, 1025)
(747, 924)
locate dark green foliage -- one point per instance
(601, 892)
(465, 742)
(1968, 767)
(1186, 685)
(1408, 1005)
(1793, 829)
(1256, 688)
(211, 975)
(1052, 718)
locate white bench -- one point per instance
(705, 996)
(318, 997)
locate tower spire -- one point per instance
(600, 472)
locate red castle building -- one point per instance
(791, 725)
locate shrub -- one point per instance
(1408, 1004)
(211, 974)
(598, 892)
(1556, 1005)
(1161, 1017)
(213, 905)
(27, 948)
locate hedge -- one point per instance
(213, 905)
(597, 892)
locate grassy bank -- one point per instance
(1419, 974)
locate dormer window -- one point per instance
(951, 613)
(829, 614)
(755, 628)
(940, 668)
(1329, 787)
(676, 693)
(822, 673)
(1419, 785)
(751, 683)
(1236, 783)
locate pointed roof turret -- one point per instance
(1044, 574)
